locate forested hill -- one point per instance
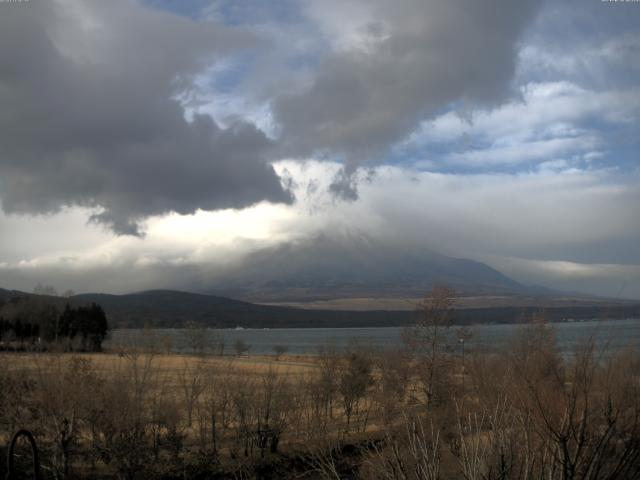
(7, 294)
(166, 308)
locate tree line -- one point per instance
(39, 322)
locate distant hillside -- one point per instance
(7, 294)
(166, 308)
(333, 267)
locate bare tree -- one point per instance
(280, 350)
(191, 378)
(216, 341)
(393, 382)
(196, 337)
(241, 347)
(355, 379)
(41, 289)
(414, 453)
(429, 340)
(122, 413)
(244, 415)
(275, 407)
(64, 389)
(214, 411)
(325, 384)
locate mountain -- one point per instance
(354, 266)
(7, 294)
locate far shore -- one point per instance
(364, 304)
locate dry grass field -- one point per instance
(167, 363)
(416, 413)
(483, 301)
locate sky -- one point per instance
(153, 144)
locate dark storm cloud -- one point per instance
(89, 115)
(410, 60)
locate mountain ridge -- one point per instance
(329, 267)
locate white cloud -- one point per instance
(611, 280)
(486, 217)
(525, 152)
(551, 121)
(587, 61)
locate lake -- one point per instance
(615, 334)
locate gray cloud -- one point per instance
(402, 63)
(90, 117)
(570, 230)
